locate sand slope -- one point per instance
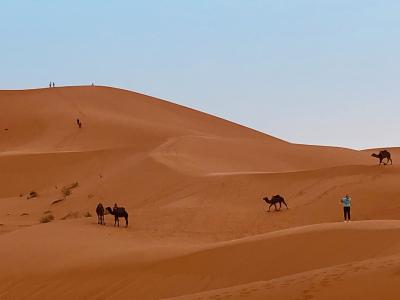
(193, 185)
(168, 270)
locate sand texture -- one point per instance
(193, 186)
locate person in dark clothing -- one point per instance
(54, 84)
(78, 122)
(346, 201)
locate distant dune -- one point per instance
(193, 186)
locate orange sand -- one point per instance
(192, 184)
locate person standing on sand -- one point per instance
(54, 84)
(50, 84)
(346, 201)
(78, 122)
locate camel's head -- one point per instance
(109, 210)
(374, 155)
(266, 199)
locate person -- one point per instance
(50, 84)
(346, 201)
(54, 84)
(115, 208)
(78, 122)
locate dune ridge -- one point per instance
(193, 185)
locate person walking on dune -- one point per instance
(78, 122)
(346, 201)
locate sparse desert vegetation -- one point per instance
(32, 194)
(57, 201)
(46, 218)
(67, 190)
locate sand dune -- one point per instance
(369, 279)
(193, 185)
(134, 263)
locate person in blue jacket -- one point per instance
(346, 201)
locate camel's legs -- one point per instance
(269, 208)
(285, 204)
(126, 222)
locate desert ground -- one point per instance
(193, 186)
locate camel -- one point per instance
(382, 155)
(118, 212)
(274, 200)
(100, 214)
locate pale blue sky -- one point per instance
(316, 72)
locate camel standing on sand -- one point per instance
(274, 200)
(100, 214)
(382, 155)
(118, 212)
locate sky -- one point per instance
(315, 72)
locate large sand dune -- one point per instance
(193, 185)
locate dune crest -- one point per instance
(193, 186)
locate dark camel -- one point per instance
(274, 200)
(100, 214)
(382, 155)
(118, 212)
